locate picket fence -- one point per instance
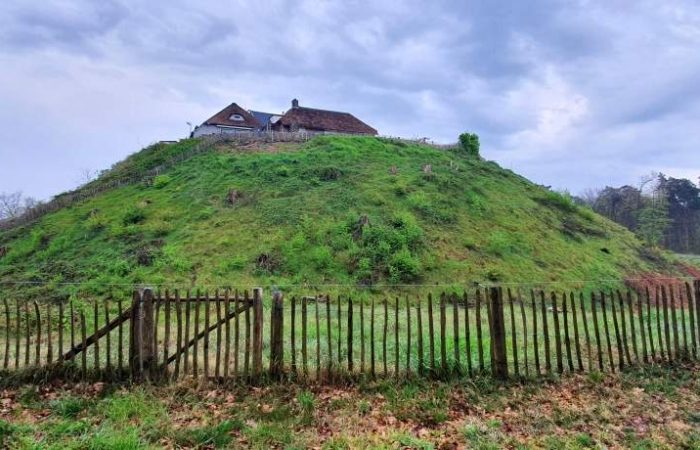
(246, 337)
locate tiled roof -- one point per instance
(323, 120)
(223, 118)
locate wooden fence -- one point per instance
(245, 336)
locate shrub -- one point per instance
(403, 267)
(161, 181)
(469, 143)
(133, 216)
(561, 201)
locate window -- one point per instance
(237, 118)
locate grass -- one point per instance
(295, 223)
(578, 412)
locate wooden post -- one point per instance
(371, 341)
(6, 361)
(49, 340)
(640, 309)
(195, 347)
(455, 333)
(166, 341)
(577, 342)
(362, 336)
(513, 338)
(18, 334)
(419, 319)
(83, 335)
(524, 321)
(178, 314)
(596, 330)
(499, 358)
(141, 346)
(667, 330)
(467, 334)
(318, 342)
(108, 341)
(431, 335)
(684, 326)
(37, 352)
(95, 328)
(691, 314)
(659, 335)
(188, 314)
(584, 323)
(329, 337)
(557, 334)
(697, 312)
(120, 337)
(607, 329)
(340, 335)
(236, 334)
(396, 338)
(408, 336)
(257, 331)
(545, 331)
(623, 323)
(536, 346)
(207, 312)
(633, 330)
(479, 332)
(276, 336)
(27, 334)
(349, 331)
(386, 327)
(227, 333)
(567, 338)
(60, 330)
(292, 333)
(217, 365)
(248, 345)
(304, 336)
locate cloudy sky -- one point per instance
(571, 94)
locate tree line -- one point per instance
(664, 211)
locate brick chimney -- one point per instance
(295, 104)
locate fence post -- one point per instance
(499, 362)
(141, 348)
(276, 333)
(257, 331)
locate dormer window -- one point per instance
(237, 118)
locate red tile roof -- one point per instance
(223, 118)
(322, 120)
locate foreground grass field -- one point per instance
(657, 407)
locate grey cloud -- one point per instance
(552, 87)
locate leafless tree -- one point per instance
(10, 205)
(87, 175)
(14, 204)
(589, 196)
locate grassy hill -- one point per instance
(298, 217)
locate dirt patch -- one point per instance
(653, 282)
(691, 270)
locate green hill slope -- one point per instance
(296, 219)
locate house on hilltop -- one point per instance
(300, 118)
(234, 119)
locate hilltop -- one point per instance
(333, 211)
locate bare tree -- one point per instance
(87, 175)
(10, 205)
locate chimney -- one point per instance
(295, 104)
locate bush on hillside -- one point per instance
(469, 143)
